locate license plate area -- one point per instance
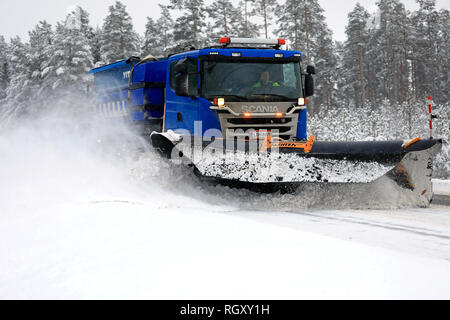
(259, 134)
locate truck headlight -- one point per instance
(301, 101)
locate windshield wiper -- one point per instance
(272, 95)
(240, 98)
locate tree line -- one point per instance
(393, 55)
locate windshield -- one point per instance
(252, 81)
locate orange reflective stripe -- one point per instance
(306, 146)
(412, 142)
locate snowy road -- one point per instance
(442, 200)
(423, 232)
(81, 219)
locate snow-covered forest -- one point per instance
(374, 85)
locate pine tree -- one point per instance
(430, 51)
(84, 26)
(302, 22)
(404, 49)
(325, 60)
(354, 55)
(265, 9)
(151, 43)
(4, 70)
(18, 92)
(81, 20)
(188, 28)
(225, 19)
(375, 68)
(388, 40)
(247, 29)
(96, 47)
(165, 24)
(443, 56)
(343, 73)
(72, 56)
(429, 30)
(41, 45)
(158, 35)
(119, 41)
(290, 23)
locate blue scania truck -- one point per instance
(175, 92)
(237, 113)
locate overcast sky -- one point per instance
(17, 17)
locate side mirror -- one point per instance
(186, 78)
(310, 70)
(181, 67)
(309, 85)
(309, 81)
(181, 79)
(182, 85)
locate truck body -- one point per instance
(147, 92)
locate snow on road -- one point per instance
(91, 218)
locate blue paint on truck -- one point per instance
(145, 91)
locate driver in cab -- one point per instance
(265, 82)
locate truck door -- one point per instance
(182, 111)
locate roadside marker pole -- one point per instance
(430, 115)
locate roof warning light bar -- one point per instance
(274, 42)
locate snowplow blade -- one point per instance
(270, 167)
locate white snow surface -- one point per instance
(89, 212)
(441, 186)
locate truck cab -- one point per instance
(242, 88)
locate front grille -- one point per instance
(240, 127)
(259, 121)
